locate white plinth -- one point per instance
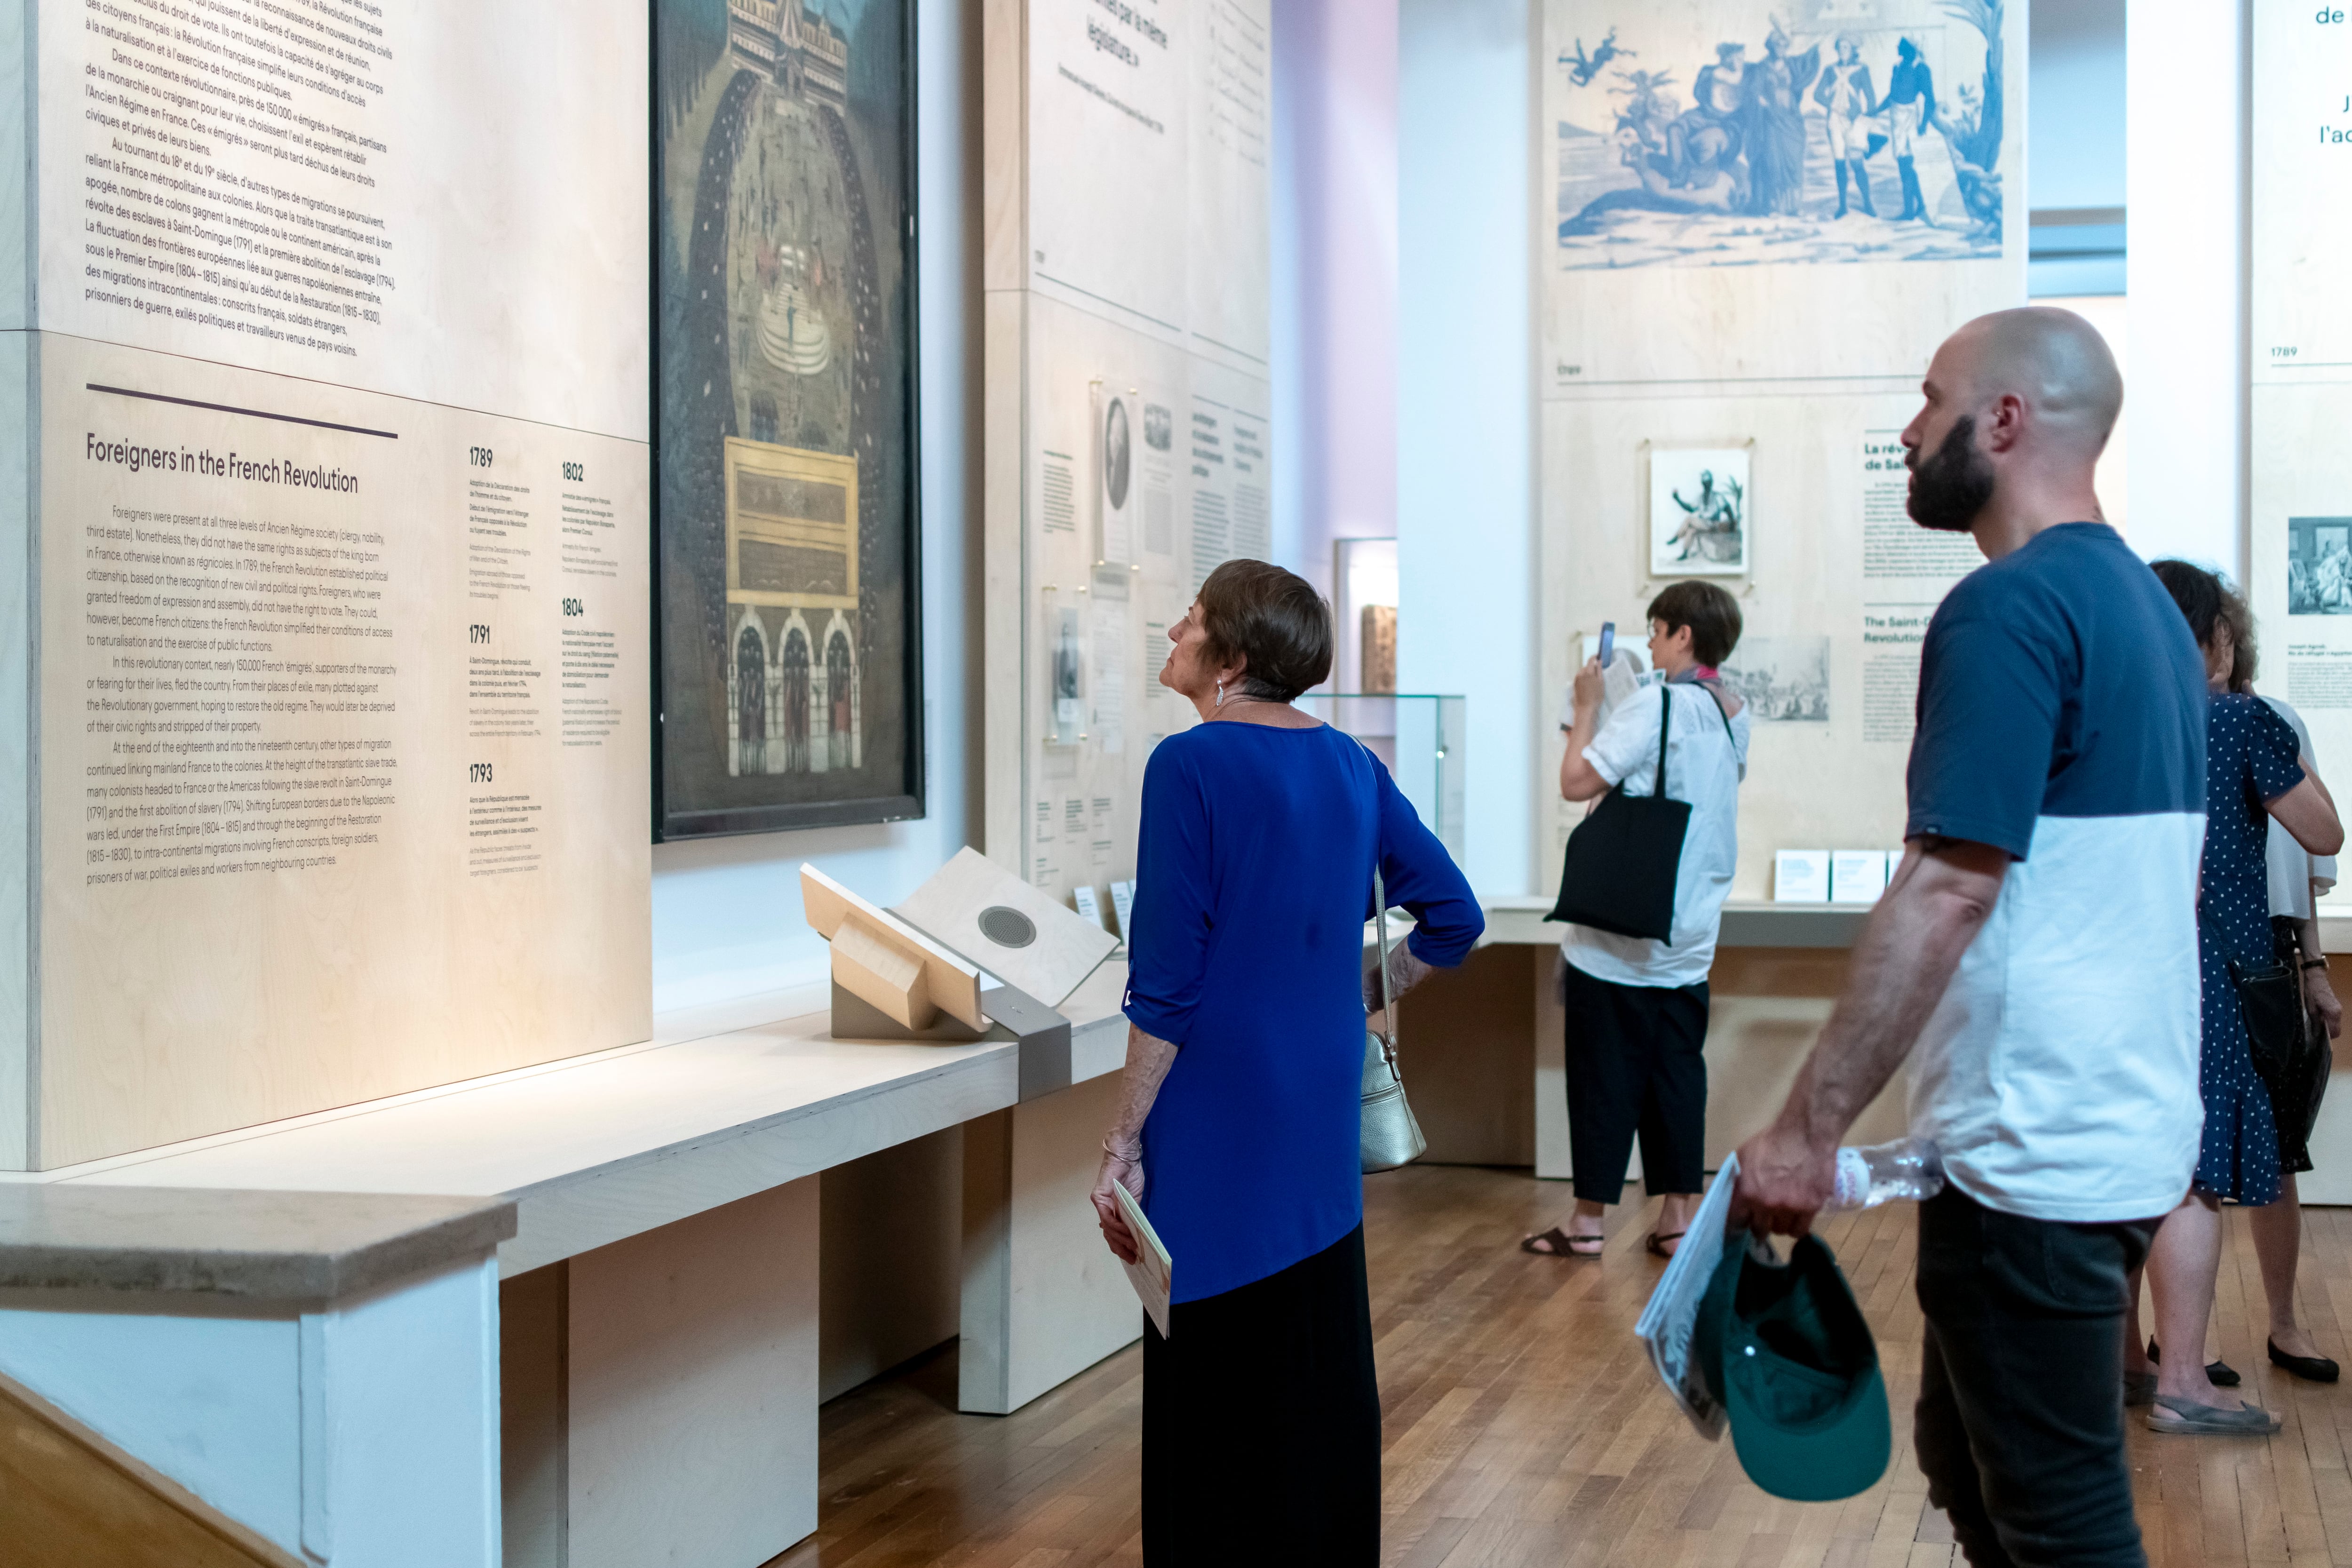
(362, 1432)
(693, 1372)
(1043, 1298)
(661, 1377)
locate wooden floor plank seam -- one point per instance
(1523, 1428)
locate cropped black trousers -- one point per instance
(1634, 1067)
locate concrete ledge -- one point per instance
(255, 1246)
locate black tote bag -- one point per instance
(1622, 859)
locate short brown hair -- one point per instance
(1712, 615)
(1274, 621)
(2244, 657)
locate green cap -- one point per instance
(1784, 1348)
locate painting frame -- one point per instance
(1710, 533)
(898, 790)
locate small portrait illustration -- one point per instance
(2319, 567)
(1699, 511)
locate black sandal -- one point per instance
(1561, 1244)
(2310, 1368)
(1656, 1244)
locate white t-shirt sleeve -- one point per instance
(1627, 741)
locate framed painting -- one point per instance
(1699, 511)
(787, 541)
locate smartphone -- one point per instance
(1608, 641)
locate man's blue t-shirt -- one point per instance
(2062, 719)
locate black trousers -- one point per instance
(2020, 1427)
(1634, 1065)
(1262, 1423)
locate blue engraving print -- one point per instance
(1856, 130)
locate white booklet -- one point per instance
(1151, 1273)
(1667, 1323)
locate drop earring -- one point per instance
(1220, 694)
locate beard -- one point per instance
(1952, 484)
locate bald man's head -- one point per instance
(2017, 402)
(2052, 359)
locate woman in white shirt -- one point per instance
(2297, 879)
(1637, 1008)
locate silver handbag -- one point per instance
(1391, 1137)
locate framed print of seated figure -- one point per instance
(1699, 509)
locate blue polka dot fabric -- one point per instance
(2250, 758)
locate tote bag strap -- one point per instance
(1666, 733)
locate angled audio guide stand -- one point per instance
(893, 980)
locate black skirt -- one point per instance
(1262, 1422)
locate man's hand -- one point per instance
(1125, 1167)
(1784, 1179)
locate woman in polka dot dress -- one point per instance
(2252, 775)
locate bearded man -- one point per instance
(2038, 948)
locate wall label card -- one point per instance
(1801, 877)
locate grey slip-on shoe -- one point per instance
(2187, 1417)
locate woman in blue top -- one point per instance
(1261, 830)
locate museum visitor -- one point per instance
(1636, 1005)
(1067, 783)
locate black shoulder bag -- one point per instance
(1619, 874)
(2289, 1047)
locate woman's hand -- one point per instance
(1148, 1058)
(1405, 972)
(1592, 685)
(1125, 1166)
(2320, 997)
(1578, 780)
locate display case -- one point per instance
(1364, 581)
(1420, 739)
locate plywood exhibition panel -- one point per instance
(1835, 602)
(325, 509)
(1144, 467)
(1127, 399)
(2300, 535)
(2301, 313)
(1717, 202)
(1752, 235)
(437, 199)
(341, 749)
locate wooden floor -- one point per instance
(1524, 1425)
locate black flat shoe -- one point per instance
(2310, 1368)
(2219, 1374)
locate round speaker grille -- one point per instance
(1007, 928)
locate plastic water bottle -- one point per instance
(1909, 1169)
